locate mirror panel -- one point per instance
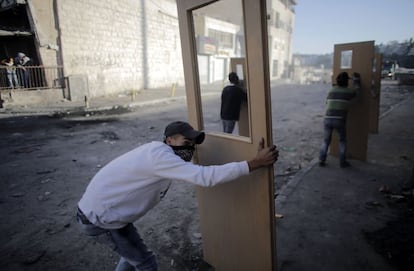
(346, 59)
(220, 41)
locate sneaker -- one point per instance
(322, 163)
(344, 164)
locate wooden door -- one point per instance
(375, 95)
(237, 218)
(356, 57)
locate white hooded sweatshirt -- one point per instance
(129, 186)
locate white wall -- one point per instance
(121, 45)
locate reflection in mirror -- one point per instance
(346, 59)
(219, 35)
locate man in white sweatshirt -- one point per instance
(129, 186)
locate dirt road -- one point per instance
(48, 161)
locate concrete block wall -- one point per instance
(121, 45)
(43, 20)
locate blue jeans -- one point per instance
(330, 125)
(12, 77)
(228, 126)
(125, 241)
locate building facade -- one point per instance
(281, 22)
(130, 45)
(118, 45)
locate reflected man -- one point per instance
(231, 99)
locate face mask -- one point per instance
(185, 152)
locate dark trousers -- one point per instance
(125, 241)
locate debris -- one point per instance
(45, 181)
(109, 142)
(44, 196)
(278, 215)
(197, 235)
(397, 198)
(408, 193)
(109, 135)
(288, 149)
(290, 171)
(384, 189)
(46, 171)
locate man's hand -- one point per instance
(264, 157)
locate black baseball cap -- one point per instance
(185, 129)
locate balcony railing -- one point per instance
(32, 77)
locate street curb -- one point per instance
(394, 107)
(82, 110)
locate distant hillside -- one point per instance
(402, 52)
(319, 61)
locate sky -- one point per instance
(320, 24)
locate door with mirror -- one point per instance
(221, 39)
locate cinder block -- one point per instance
(78, 87)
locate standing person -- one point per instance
(22, 61)
(128, 187)
(11, 72)
(231, 98)
(337, 103)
